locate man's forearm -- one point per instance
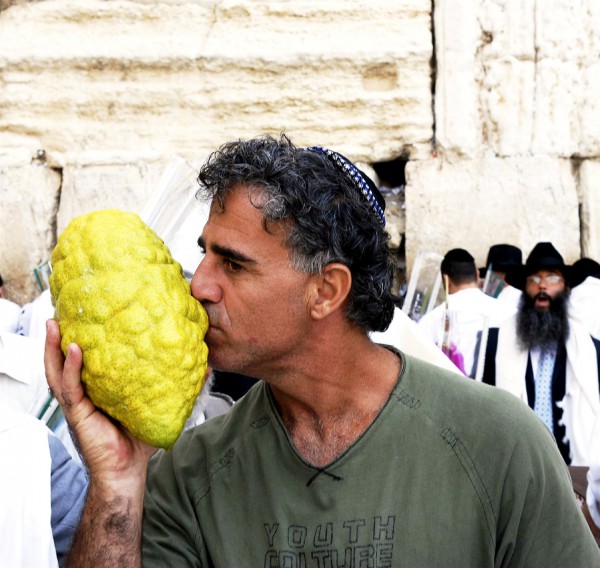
(110, 530)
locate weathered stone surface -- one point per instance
(502, 132)
(110, 90)
(153, 79)
(589, 192)
(29, 195)
(473, 204)
(457, 114)
(518, 77)
(89, 188)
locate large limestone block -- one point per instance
(558, 117)
(121, 186)
(566, 30)
(457, 114)
(473, 204)
(589, 186)
(568, 78)
(485, 83)
(484, 55)
(29, 196)
(158, 78)
(518, 78)
(507, 98)
(508, 27)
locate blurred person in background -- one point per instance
(584, 305)
(501, 259)
(456, 325)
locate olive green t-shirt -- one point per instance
(451, 473)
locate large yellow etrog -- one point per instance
(122, 298)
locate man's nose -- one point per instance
(204, 285)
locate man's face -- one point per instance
(542, 319)
(256, 303)
(543, 286)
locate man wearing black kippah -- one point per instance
(346, 452)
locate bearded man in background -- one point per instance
(545, 357)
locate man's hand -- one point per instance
(109, 533)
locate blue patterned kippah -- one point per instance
(359, 179)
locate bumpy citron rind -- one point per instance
(123, 299)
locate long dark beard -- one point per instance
(542, 328)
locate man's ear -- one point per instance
(329, 290)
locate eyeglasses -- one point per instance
(550, 279)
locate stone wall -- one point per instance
(489, 103)
(516, 129)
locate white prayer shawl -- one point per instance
(584, 305)
(510, 297)
(581, 404)
(471, 311)
(25, 510)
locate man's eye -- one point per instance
(231, 265)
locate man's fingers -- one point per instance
(72, 390)
(53, 357)
(63, 375)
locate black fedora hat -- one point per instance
(583, 268)
(543, 257)
(502, 258)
